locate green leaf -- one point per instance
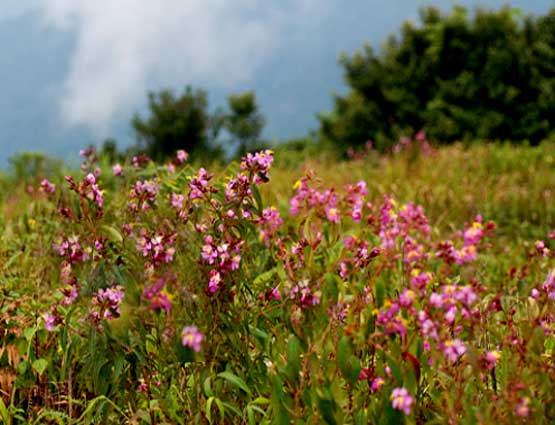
(380, 293)
(348, 364)
(221, 408)
(234, 409)
(207, 387)
(4, 414)
(257, 198)
(293, 358)
(209, 408)
(22, 367)
(250, 415)
(29, 333)
(114, 234)
(264, 277)
(12, 259)
(40, 365)
(327, 406)
(396, 371)
(331, 288)
(99, 400)
(261, 400)
(235, 380)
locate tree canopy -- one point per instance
(243, 121)
(490, 77)
(174, 123)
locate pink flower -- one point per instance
(90, 179)
(453, 349)
(332, 214)
(258, 164)
(106, 303)
(377, 384)
(274, 294)
(49, 321)
(522, 408)
(304, 294)
(401, 400)
(541, 248)
(177, 201)
(157, 296)
(492, 357)
(47, 187)
(214, 282)
(182, 156)
(407, 297)
(117, 170)
(191, 337)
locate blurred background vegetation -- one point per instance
(459, 77)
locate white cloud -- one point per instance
(124, 46)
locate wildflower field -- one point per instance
(288, 288)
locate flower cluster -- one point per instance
(47, 187)
(70, 248)
(307, 198)
(156, 294)
(269, 223)
(472, 236)
(258, 165)
(304, 294)
(143, 195)
(223, 257)
(199, 184)
(88, 189)
(420, 144)
(361, 254)
(159, 248)
(106, 304)
(401, 222)
(355, 197)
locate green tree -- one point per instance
(109, 150)
(174, 123)
(244, 122)
(490, 77)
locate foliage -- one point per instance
(32, 166)
(244, 122)
(168, 294)
(490, 77)
(175, 123)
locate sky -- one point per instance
(75, 71)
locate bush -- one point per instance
(491, 77)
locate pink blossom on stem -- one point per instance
(401, 400)
(117, 170)
(191, 337)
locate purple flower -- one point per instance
(401, 400)
(47, 187)
(492, 357)
(182, 156)
(117, 170)
(90, 179)
(453, 349)
(377, 384)
(177, 201)
(215, 280)
(523, 408)
(49, 321)
(191, 337)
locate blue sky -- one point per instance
(75, 71)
